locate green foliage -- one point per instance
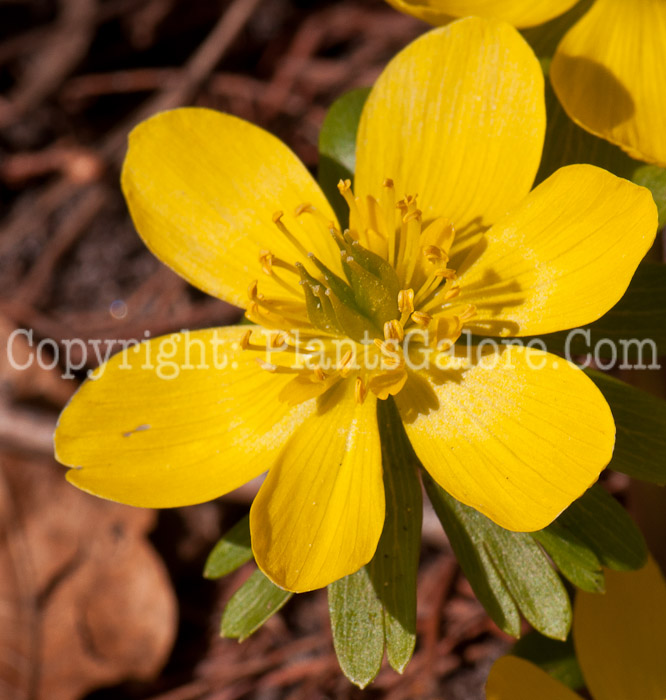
(357, 626)
(231, 552)
(375, 608)
(508, 571)
(337, 147)
(251, 605)
(640, 420)
(594, 531)
(602, 524)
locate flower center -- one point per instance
(396, 296)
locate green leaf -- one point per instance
(337, 147)
(251, 605)
(606, 527)
(640, 421)
(375, 608)
(575, 560)
(357, 625)
(632, 333)
(394, 567)
(507, 570)
(231, 552)
(556, 658)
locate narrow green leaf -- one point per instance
(556, 658)
(337, 147)
(357, 625)
(575, 560)
(507, 570)
(251, 605)
(231, 552)
(606, 527)
(394, 567)
(632, 333)
(467, 542)
(640, 421)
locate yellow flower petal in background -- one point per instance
(178, 433)
(518, 434)
(202, 188)
(458, 117)
(512, 678)
(620, 636)
(563, 257)
(520, 13)
(609, 73)
(320, 512)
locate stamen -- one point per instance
(389, 207)
(277, 220)
(319, 374)
(355, 220)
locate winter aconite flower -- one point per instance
(608, 71)
(444, 235)
(620, 639)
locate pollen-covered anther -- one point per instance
(278, 340)
(245, 340)
(421, 318)
(319, 374)
(360, 390)
(266, 261)
(252, 290)
(446, 273)
(392, 357)
(435, 254)
(393, 330)
(406, 301)
(277, 216)
(345, 366)
(468, 313)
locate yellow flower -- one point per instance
(608, 71)
(451, 132)
(620, 639)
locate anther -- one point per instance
(278, 340)
(421, 318)
(319, 374)
(406, 301)
(393, 330)
(445, 273)
(360, 390)
(277, 216)
(245, 340)
(435, 254)
(266, 261)
(303, 208)
(252, 290)
(345, 364)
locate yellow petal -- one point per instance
(520, 13)
(320, 512)
(516, 433)
(160, 427)
(512, 678)
(202, 188)
(458, 118)
(609, 73)
(620, 636)
(563, 257)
